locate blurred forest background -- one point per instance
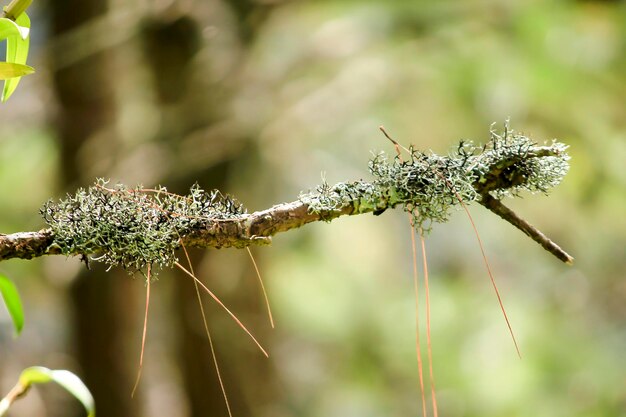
(260, 99)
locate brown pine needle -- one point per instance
(486, 262)
(258, 274)
(428, 339)
(218, 301)
(493, 281)
(143, 337)
(208, 334)
(396, 145)
(418, 349)
(213, 354)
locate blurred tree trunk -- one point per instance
(102, 303)
(170, 45)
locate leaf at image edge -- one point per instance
(17, 52)
(13, 303)
(12, 70)
(10, 28)
(66, 379)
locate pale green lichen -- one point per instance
(428, 185)
(132, 227)
(511, 163)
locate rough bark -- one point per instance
(257, 228)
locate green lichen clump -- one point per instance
(429, 185)
(511, 163)
(135, 227)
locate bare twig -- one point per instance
(27, 245)
(510, 216)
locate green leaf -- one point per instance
(8, 70)
(13, 303)
(9, 28)
(17, 52)
(66, 379)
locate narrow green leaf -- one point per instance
(66, 379)
(9, 70)
(17, 52)
(13, 302)
(35, 375)
(9, 28)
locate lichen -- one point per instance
(137, 227)
(428, 185)
(132, 227)
(512, 163)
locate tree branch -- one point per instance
(249, 229)
(139, 227)
(256, 229)
(27, 245)
(510, 216)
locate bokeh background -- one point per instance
(261, 99)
